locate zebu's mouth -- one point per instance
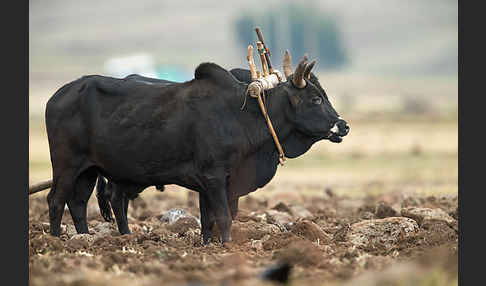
(334, 137)
(338, 131)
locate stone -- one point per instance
(387, 232)
(172, 215)
(278, 218)
(420, 215)
(180, 221)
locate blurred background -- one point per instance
(388, 67)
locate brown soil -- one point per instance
(317, 245)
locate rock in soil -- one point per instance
(278, 218)
(172, 215)
(180, 221)
(420, 215)
(387, 232)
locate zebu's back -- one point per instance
(123, 127)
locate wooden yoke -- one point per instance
(261, 51)
(281, 156)
(267, 51)
(260, 83)
(251, 63)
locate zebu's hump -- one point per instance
(216, 73)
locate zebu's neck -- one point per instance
(254, 124)
(259, 165)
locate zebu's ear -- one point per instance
(295, 100)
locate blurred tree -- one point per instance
(297, 28)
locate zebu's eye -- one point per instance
(317, 100)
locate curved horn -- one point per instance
(287, 64)
(308, 69)
(298, 78)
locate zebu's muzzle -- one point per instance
(339, 130)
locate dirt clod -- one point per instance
(302, 253)
(310, 231)
(183, 225)
(383, 211)
(385, 233)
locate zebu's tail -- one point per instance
(102, 195)
(35, 188)
(103, 199)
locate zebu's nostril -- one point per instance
(335, 128)
(343, 127)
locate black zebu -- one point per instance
(192, 134)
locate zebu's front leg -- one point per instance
(216, 194)
(207, 219)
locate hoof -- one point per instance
(55, 234)
(206, 241)
(228, 245)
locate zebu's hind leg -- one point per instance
(233, 204)
(78, 202)
(62, 187)
(119, 203)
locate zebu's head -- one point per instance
(311, 111)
